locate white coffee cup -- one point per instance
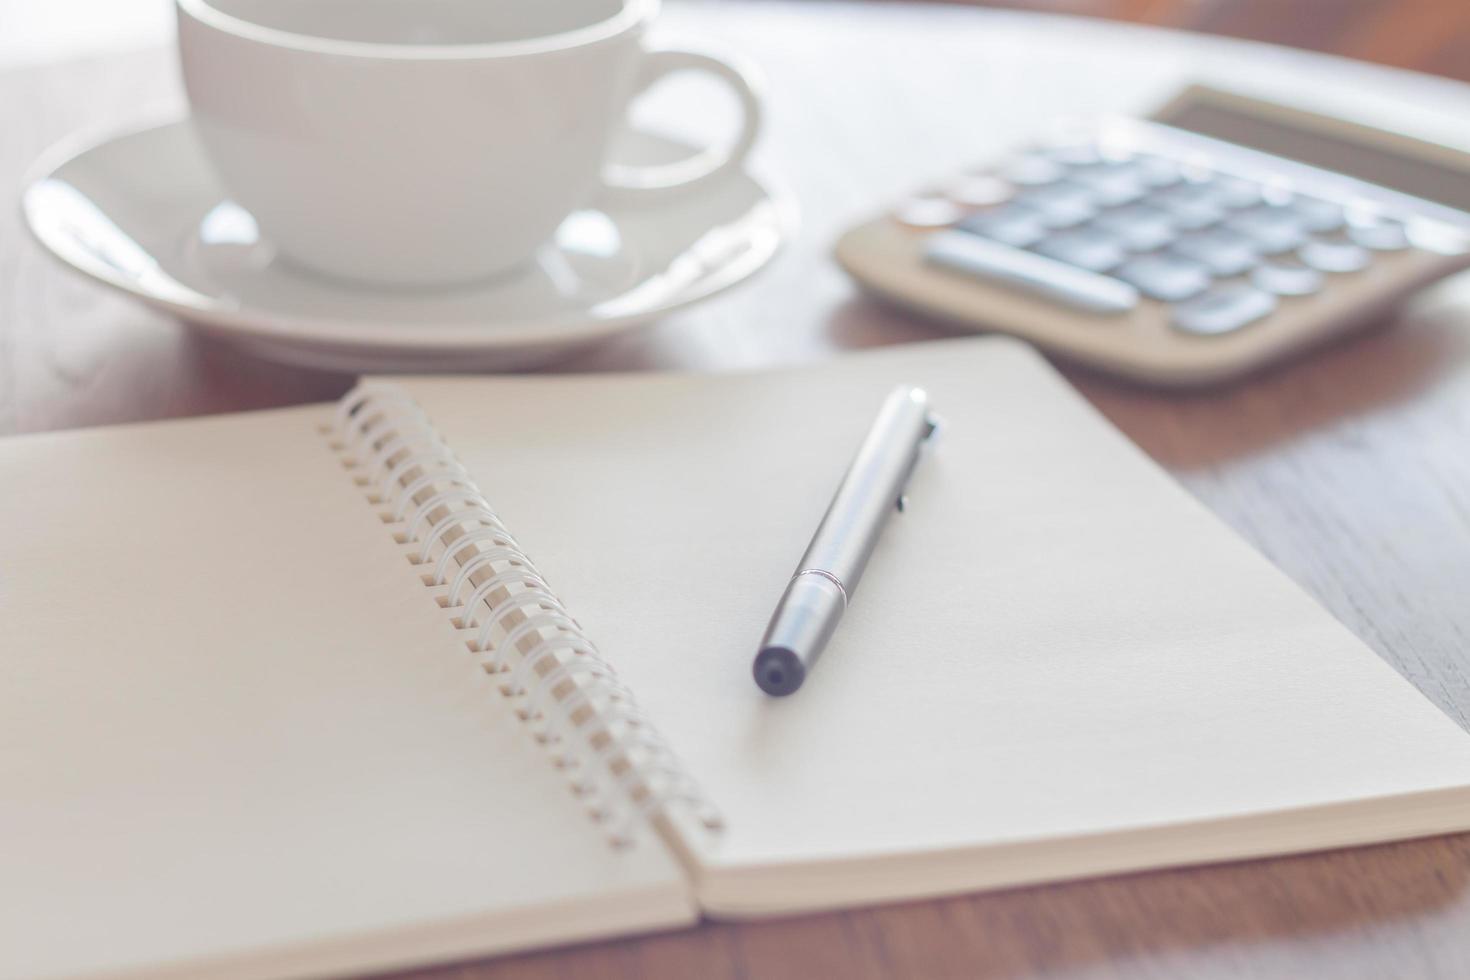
(428, 142)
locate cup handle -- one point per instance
(643, 183)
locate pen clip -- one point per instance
(931, 426)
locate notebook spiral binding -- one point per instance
(513, 624)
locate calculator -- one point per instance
(1221, 235)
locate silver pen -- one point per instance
(829, 572)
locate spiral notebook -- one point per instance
(461, 666)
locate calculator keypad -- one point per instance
(1286, 278)
(1223, 309)
(1224, 252)
(1335, 256)
(1316, 216)
(1140, 227)
(1095, 251)
(1166, 277)
(1218, 248)
(1060, 205)
(1379, 234)
(1271, 230)
(1010, 225)
(1111, 185)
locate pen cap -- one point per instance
(872, 489)
(798, 633)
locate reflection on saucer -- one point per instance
(589, 233)
(228, 238)
(228, 224)
(586, 264)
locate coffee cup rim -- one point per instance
(629, 15)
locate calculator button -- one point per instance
(979, 191)
(1165, 277)
(1193, 215)
(1033, 170)
(1074, 154)
(1084, 248)
(1316, 215)
(1190, 206)
(1334, 256)
(1223, 309)
(1112, 185)
(1158, 171)
(1189, 192)
(1379, 234)
(1012, 225)
(1140, 228)
(927, 211)
(1060, 205)
(993, 262)
(1234, 192)
(1287, 279)
(1224, 253)
(1273, 230)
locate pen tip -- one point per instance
(778, 671)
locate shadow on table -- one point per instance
(1185, 430)
(1288, 917)
(1180, 922)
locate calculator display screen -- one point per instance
(1335, 151)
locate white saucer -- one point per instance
(144, 214)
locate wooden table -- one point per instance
(1350, 469)
(1427, 35)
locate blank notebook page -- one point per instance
(238, 737)
(1057, 664)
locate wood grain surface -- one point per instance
(1349, 468)
(1426, 35)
